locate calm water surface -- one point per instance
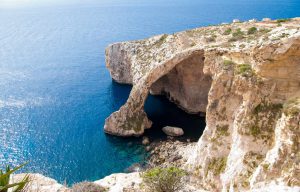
(55, 91)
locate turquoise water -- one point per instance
(55, 91)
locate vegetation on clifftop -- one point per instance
(163, 179)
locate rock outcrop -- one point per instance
(40, 183)
(244, 76)
(173, 131)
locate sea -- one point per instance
(55, 91)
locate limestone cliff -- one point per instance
(244, 76)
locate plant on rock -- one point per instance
(168, 179)
(5, 184)
(252, 30)
(244, 70)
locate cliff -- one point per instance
(244, 76)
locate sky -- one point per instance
(38, 3)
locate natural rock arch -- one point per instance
(131, 120)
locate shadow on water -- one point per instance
(119, 94)
(162, 113)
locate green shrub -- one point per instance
(222, 130)
(244, 70)
(5, 180)
(282, 20)
(163, 179)
(227, 31)
(237, 35)
(217, 165)
(211, 38)
(161, 40)
(87, 187)
(274, 107)
(252, 30)
(254, 131)
(238, 32)
(228, 64)
(264, 30)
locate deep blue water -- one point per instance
(55, 91)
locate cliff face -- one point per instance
(245, 76)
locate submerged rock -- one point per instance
(148, 148)
(173, 131)
(146, 141)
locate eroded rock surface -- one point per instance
(245, 76)
(40, 183)
(173, 131)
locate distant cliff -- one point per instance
(245, 76)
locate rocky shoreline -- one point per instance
(170, 153)
(245, 76)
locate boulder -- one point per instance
(146, 141)
(173, 131)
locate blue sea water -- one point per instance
(55, 91)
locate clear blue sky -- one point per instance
(36, 3)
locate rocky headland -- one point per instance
(244, 76)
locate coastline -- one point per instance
(251, 141)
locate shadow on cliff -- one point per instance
(162, 113)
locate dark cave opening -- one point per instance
(163, 112)
(179, 98)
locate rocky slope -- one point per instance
(244, 76)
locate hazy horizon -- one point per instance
(11, 4)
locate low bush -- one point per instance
(237, 35)
(228, 64)
(211, 38)
(227, 31)
(217, 165)
(282, 20)
(244, 70)
(252, 30)
(163, 179)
